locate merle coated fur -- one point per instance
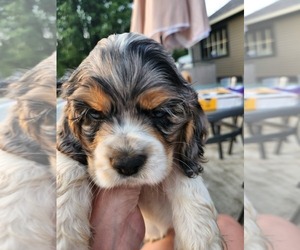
(30, 128)
(123, 70)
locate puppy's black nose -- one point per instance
(129, 165)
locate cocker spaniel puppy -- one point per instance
(131, 119)
(27, 149)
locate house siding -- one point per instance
(233, 64)
(286, 60)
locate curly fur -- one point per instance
(30, 128)
(74, 198)
(132, 119)
(27, 148)
(27, 204)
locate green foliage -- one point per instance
(81, 24)
(27, 33)
(179, 53)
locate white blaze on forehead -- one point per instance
(136, 137)
(129, 125)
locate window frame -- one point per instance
(270, 40)
(214, 34)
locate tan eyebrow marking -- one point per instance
(154, 97)
(94, 96)
(189, 131)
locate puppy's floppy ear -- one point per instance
(68, 88)
(70, 81)
(68, 144)
(190, 151)
(63, 80)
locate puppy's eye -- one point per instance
(159, 113)
(95, 115)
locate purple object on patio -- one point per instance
(239, 89)
(292, 89)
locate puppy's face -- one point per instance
(30, 128)
(130, 116)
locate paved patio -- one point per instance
(270, 184)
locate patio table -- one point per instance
(257, 120)
(216, 121)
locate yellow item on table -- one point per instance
(219, 98)
(268, 98)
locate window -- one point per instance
(259, 43)
(216, 45)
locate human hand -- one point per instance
(117, 220)
(118, 223)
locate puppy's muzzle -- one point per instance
(128, 164)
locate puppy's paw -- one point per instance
(153, 239)
(155, 236)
